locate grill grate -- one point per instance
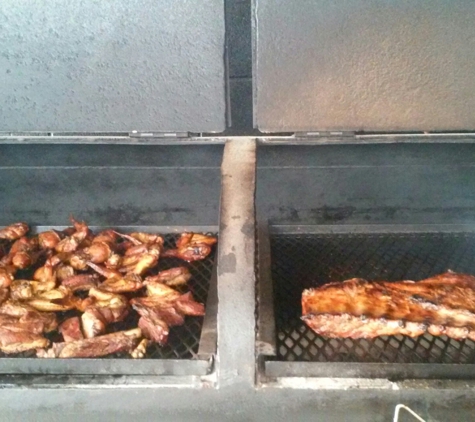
(183, 341)
(301, 261)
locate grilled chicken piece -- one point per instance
(81, 282)
(163, 311)
(23, 253)
(107, 236)
(6, 276)
(155, 330)
(356, 308)
(139, 238)
(23, 260)
(195, 239)
(161, 291)
(14, 231)
(78, 261)
(63, 272)
(107, 308)
(114, 262)
(170, 309)
(98, 252)
(19, 334)
(27, 289)
(70, 329)
(135, 250)
(192, 247)
(20, 341)
(47, 273)
(105, 272)
(122, 341)
(49, 239)
(4, 294)
(56, 294)
(140, 263)
(141, 349)
(124, 284)
(52, 305)
(72, 242)
(23, 244)
(192, 252)
(173, 277)
(26, 313)
(21, 290)
(187, 305)
(148, 238)
(53, 300)
(19, 324)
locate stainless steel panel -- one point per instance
(366, 184)
(112, 66)
(364, 65)
(110, 184)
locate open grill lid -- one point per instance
(112, 66)
(364, 65)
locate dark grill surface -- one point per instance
(310, 260)
(183, 341)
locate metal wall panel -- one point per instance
(367, 184)
(364, 65)
(110, 184)
(112, 66)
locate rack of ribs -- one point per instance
(358, 308)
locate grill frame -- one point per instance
(201, 364)
(274, 366)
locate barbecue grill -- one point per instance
(114, 112)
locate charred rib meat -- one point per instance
(357, 308)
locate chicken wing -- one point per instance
(81, 282)
(173, 277)
(127, 283)
(107, 308)
(122, 341)
(189, 253)
(49, 239)
(14, 231)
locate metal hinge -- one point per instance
(324, 134)
(159, 135)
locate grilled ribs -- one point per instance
(357, 308)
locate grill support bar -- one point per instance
(236, 259)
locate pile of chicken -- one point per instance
(81, 283)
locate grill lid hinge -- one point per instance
(160, 135)
(324, 134)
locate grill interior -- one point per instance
(301, 261)
(183, 341)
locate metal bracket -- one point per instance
(159, 135)
(324, 134)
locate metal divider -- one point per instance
(236, 257)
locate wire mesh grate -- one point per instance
(183, 341)
(301, 261)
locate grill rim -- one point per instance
(115, 366)
(272, 367)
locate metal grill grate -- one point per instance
(183, 341)
(301, 261)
